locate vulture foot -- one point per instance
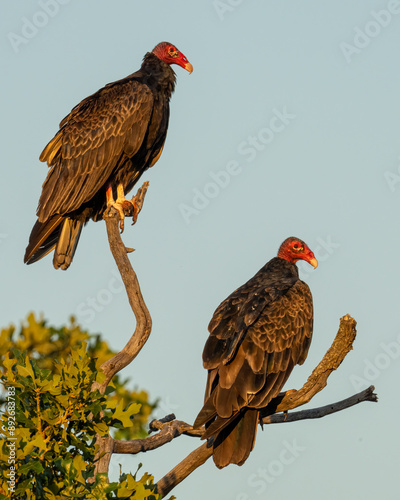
(124, 207)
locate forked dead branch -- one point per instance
(170, 428)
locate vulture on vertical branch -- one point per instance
(257, 336)
(99, 153)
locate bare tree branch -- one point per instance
(280, 418)
(142, 315)
(138, 305)
(198, 457)
(167, 433)
(340, 347)
(157, 424)
(316, 382)
(171, 428)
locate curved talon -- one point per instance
(124, 207)
(136, 210)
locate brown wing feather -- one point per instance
(283, 333)
(270, 347)
(91, 140)
(229, 323)
(285, 324)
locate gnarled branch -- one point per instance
(136, 301)
(142, 315)
(334, 356)
(175, 476)
(286, 401)
(166, 434)
(143, 319)
(280, 418)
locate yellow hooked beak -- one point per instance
(188, 67)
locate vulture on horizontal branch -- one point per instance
(102, 148)
(257, 336)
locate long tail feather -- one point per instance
(67, 243)
(234, 442)
(61, 233)
(43, 239)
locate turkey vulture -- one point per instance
(257, 336)
(102, 148)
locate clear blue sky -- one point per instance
(289, 125)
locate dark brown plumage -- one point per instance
(104, 145)
(257, 336)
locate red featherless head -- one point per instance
(294, 249)
(171, 55)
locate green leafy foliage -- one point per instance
(50, 416)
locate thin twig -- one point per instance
(168, 432)
(280, 418)
(157, 424)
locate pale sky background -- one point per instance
(328, 173)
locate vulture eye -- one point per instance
(172, 51)
(297, 247)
